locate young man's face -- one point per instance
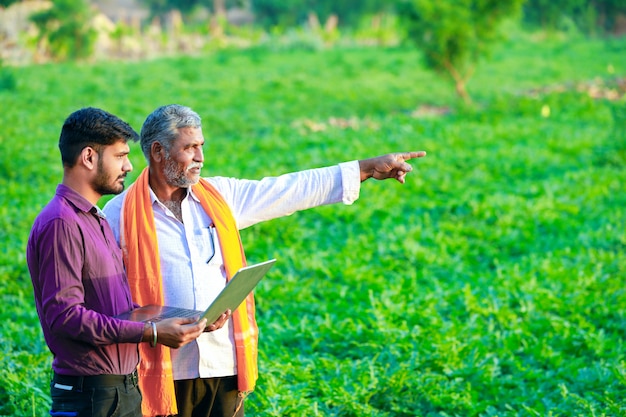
(113, 166)
(184, 160)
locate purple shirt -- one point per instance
(79, 284)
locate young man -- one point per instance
(79, 280)
(193, 236)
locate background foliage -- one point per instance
(455, 35)
(62, 27)
(491, 284)
(589, 14)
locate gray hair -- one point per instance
(163, 124)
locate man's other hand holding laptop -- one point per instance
(177, 331)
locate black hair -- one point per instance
(93, 127)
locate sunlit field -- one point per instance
(490, 284)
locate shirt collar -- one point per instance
(193, 195)
(78, 200)
(155, 200)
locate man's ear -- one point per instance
(157, 152)
(88, 157)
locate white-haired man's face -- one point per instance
(185, 158)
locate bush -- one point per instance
(454, 35)
(64, 29)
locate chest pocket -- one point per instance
(207, 244)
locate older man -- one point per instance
(189, 226)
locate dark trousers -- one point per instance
(95, 396)
(209, 397)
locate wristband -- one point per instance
(153, 343)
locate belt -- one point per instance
(80, 383)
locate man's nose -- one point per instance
(199, 156)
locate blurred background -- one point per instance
(453, 36)
(41, 31)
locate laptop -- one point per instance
(233, 294)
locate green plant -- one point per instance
(8, 80)
(455, 35)
(64, 29)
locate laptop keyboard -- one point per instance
(177, 312)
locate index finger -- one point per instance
(410, 155)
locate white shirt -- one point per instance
(192, 268)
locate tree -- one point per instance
(159, 7)
(548, 13)
(455, 34)
(608, 12)
(65, 27)
(288, 13)
(6, 3)
(589, 15)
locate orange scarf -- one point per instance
(141, 257)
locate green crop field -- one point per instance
(490, 284)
